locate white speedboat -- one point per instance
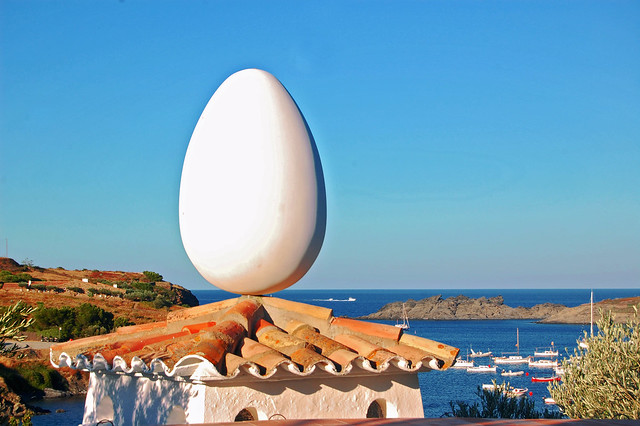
(482, 369)
(511, 373)
(550, 352)
(543, 363)
(510, 391)
(511, 359)
(461, 363)
(475, 354)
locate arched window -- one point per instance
(382, 409)
(246, 415)
(375, 411)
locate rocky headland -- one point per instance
(493, 308)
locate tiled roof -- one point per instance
(253, 336)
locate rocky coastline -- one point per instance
(493, 308)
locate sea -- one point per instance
(438, 388)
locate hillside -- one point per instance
(130, 295)
(482, 308)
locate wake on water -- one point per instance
(331, 299)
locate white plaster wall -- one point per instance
(141, 400)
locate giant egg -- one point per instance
(252, 202)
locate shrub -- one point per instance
(8, 277)
(70, 323)
(152, 276)
(76, 289)
(41, 376)
(121, 322)
(137, 285)
(602, 382)
(14, 320)
(495, 404)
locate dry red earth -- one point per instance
(137, 312)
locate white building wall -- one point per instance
(143, 400)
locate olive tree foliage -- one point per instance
(498, 404)
(13, 321)
(603, 380)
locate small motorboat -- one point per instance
(511, 359)
(482, 369)
(548, 400)
(546, 379)
(549, 352)
(543, 363)
(475, 354)
(510, 392)
(511, 373)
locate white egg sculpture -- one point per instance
(252, 202)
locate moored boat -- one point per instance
(511, 359)
(548, 400)
(550, 352)
(405, 319)
(546, 379)
(482, 369)
(461, 363)
(543, 363)
(475, 354)
(511, 373)
(510, 391)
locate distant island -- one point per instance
(493, 308)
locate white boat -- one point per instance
(511, 373)
(482, 369)
(461, 363)
(513, 359)
(475, 354)
(510, 392)
(546, 352)
(405, 319)
(559, 371)
(351, 299)
(543, 363)
(548, 400)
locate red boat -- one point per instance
(545, 379)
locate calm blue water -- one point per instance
(438, 388)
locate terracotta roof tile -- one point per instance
(257, 336)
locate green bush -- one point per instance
(70, 323)
(603, 381)
(121, 322)
(495, 404)
(152, 276)
(8, 277)
(140, 296)
(41, 376)
(76, 289)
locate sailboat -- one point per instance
(405, 319)
(513, 359)
(583, 344)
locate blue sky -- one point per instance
(468, 144)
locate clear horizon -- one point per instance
(464, 144)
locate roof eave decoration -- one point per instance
(254, 337)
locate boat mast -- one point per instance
(591, 313)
